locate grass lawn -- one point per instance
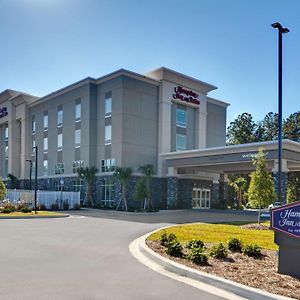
(31, 214)
(214, 233)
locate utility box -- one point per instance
(285, 220)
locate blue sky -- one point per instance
(48, 44)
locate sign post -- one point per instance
(285, 220)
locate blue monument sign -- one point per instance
(287, 219)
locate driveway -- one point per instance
(86, 256)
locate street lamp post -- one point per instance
(30, 172)
(35, 178)
(281, 31)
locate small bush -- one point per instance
(174, 248)
(235, 245)
(54, 206)
(166, 239)
(42, 207)
(253, 250)
(9, 206)
(219, 251)
(6, 210)
(197, 256)
(77, 206)
(195, 244)
(20, 206)
(26, 210)
(66, 205)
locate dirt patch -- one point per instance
(257, 273)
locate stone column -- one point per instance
(172, 188)
(284, 179)
(201, 123)
(223, 191)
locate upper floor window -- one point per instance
(107, 107)
(59, 141)
(181, 117)
(180, 142)
(108, 165)
(33, 144)
(78, 112)
(45, 121)
(33, 125)
(107, 134)
(59, 117)
(59, 168)
(77, 138)
(45, 144)
(77, 164)
(45, 167)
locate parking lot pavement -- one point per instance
(86, 256)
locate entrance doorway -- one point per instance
(201, 198)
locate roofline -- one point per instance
(91, 80)
(269, 145)
(213, 87)
(218, 102)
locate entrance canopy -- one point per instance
(233, 159)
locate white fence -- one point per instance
(46, 198)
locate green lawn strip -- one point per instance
(31, 214)
(215, 233)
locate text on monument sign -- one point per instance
(186, 95)
(3, 112)
(287, 219)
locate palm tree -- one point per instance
(239, 185)
(88, 175)
(123, 175)
(148, 172)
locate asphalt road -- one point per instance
(88, 257)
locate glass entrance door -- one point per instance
(201, 198)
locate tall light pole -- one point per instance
(281, 31)
(35, 178)
(30, 172)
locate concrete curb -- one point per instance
(212, 284)
(34, 217)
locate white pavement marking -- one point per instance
(134, 250)
(76, 217)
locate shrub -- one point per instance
(165, 238)
(77, 206)
(174, 248)
(26, 210)
(197, 256)
(9, 207)
(42, 207)
(195, 244)
(20, 206)
(253, 250)
(66, 205)
(235, 245)
(219, 251)
(6, 210)
(54, 206)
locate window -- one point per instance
(6, 152)
(6, 133)
(77, 185)
(181, 117)
(107, 193)
(77, 138)
(77, 164)
(59, 141)
(33, 144)
(108, 165)
(77, 112)
(45, 121)
(59, 117)
(59, 168)
(33, 125)
(107, 134)
(107, 107)
(180, 142)
(45, 144)
(59, 185)
(45, 167)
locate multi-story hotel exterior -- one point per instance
(123, 119)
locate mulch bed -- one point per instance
(257, 273)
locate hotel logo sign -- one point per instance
(186, 95)
(287, 219)
(3, 112)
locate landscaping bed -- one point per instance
(259, 272)
(31, 214)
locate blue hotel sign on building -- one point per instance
(3, 112)
(287, 219)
